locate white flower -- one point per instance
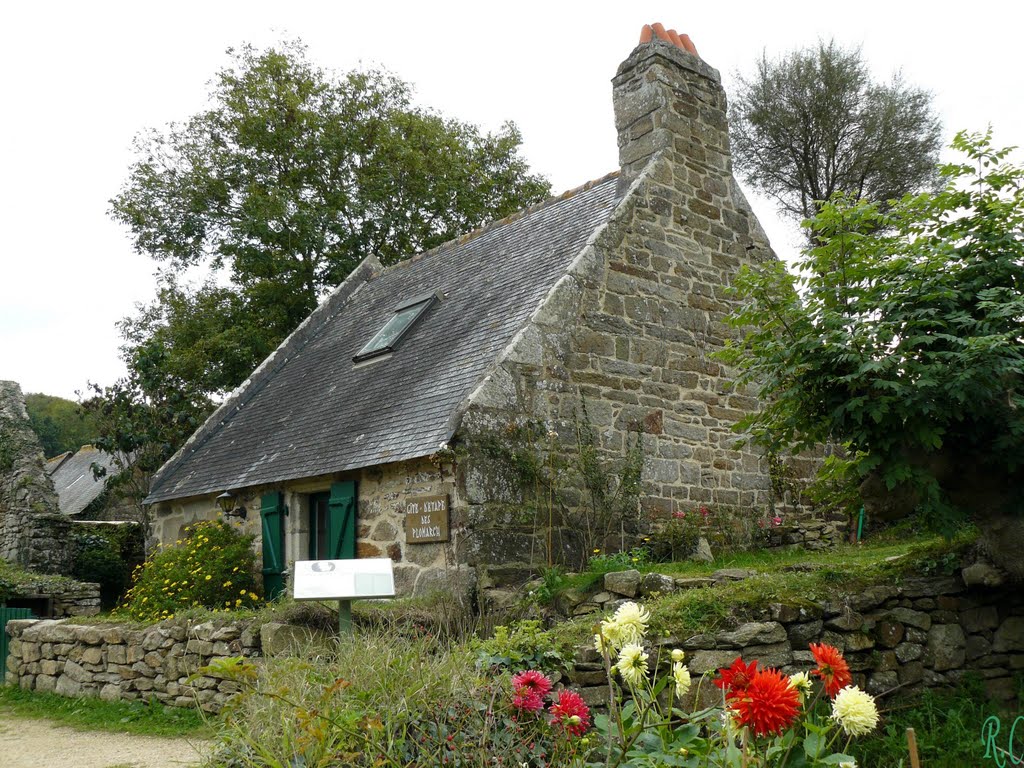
(631, 620)
(802, 682)
(681, 675)
(848, 764)
(609, 637)
(677, 655)
(632, 664)
(855, 711)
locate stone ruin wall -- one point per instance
(33, 533)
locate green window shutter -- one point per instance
(272, 514)
(341, 521)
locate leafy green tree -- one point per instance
(287, 181)
(813, 123)
(901, 335)
(61, 424)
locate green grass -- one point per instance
(948, 725)
(97, 715)
(846, 569)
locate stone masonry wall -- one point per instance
(922, 632)
(33, 533)
(383, 493)
(631, 329)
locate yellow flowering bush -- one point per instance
(214, 567)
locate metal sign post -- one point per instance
(344, 581)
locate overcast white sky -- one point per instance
(81, 79)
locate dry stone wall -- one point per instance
(65, 597)
(117, 662)
(922, 632)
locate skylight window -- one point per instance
(387, 338)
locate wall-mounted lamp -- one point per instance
(226, 502)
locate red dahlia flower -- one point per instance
(832, 668)
(735, 679)
(571, 712)
(768, 705)
(529, 689)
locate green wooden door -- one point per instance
(341, 521)
(7, 614)
(272, 514)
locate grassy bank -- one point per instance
(97, 715)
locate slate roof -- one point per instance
(310, 411)
(73, 479)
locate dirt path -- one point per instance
(27, 743)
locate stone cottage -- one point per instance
(364, 433)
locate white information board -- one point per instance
(343, 579)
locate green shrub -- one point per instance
(523, 645)
(214, 567)
(675, 539)
(638, 557)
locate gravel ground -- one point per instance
(26, 743)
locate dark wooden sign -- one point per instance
(426, 519)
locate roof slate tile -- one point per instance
(315, 412)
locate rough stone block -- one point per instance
(625, 583)
(754, 633)
(1009, 636)
(947, 646)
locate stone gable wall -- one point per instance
(631, 330)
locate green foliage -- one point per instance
(96, 559)
(837, 485)
(637, 557)
(106, 554)
(590, 495)
(14, 582)
(552, 581)
(523, 645)
(813, 123)
(900, 335)
(213, 567)
(62, 425)
(149, 718)
(725, 527)
(382, 701)
(674, 539)
(948, 724)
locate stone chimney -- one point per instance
(668, 100)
